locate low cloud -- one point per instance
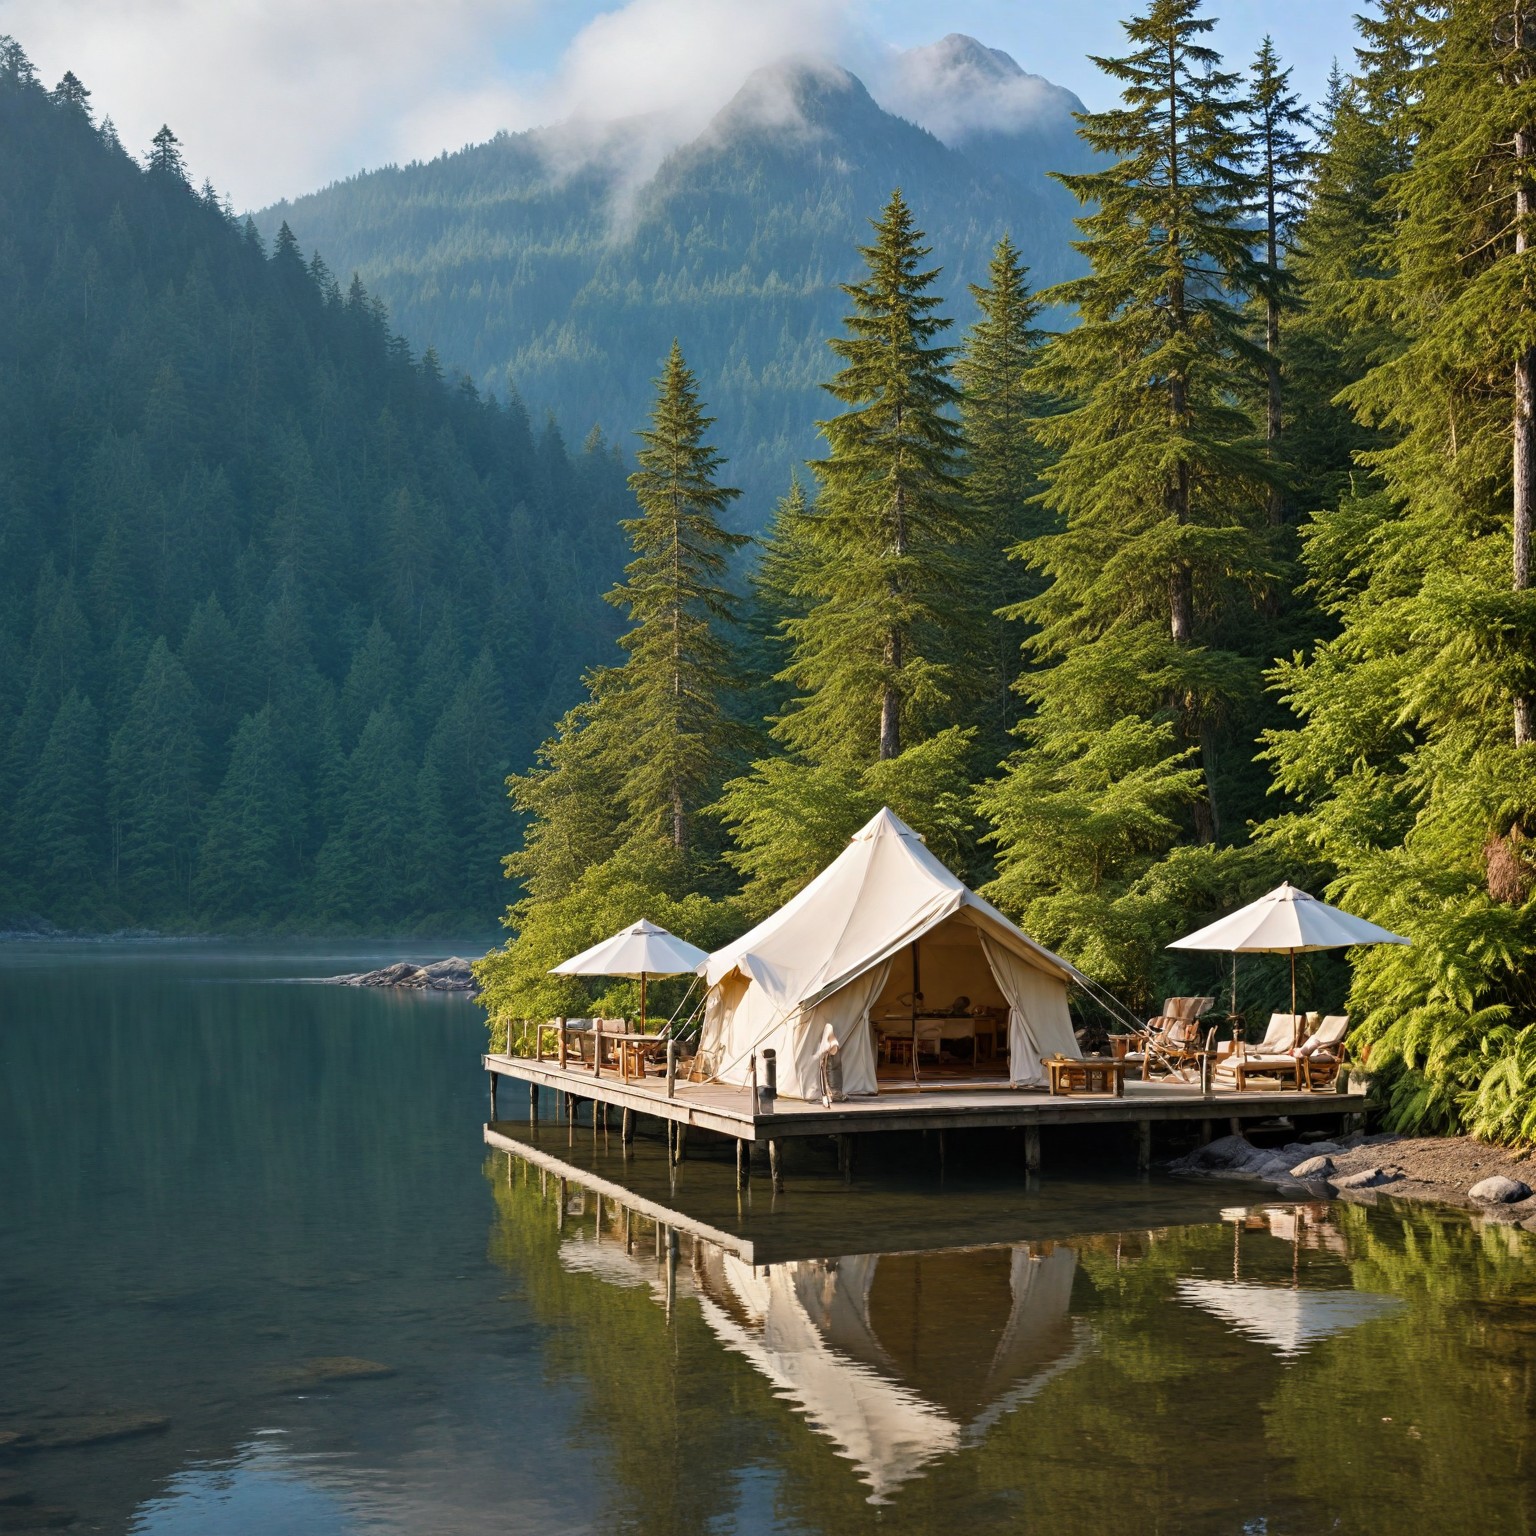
(956, 88)
(272, 97)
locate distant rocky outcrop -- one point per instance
(452, 975)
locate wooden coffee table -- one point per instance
(1087, 1074)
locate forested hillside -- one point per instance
(279, 605)
(546, 257)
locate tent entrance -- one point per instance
(942, 1004)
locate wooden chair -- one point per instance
(1174, 1037)
(1323, 1052)
(1178, 1049)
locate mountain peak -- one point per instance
(803, 92)
(961, 90)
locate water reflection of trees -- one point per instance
(800, 1396)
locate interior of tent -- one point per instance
(941, 1003)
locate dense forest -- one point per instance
(554, 259)
(1226, 582)
(280, 604)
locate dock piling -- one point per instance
(1032, 1149)
(533, 1103)
(775, 1171)
(845, 1157)
(492, 1077)
(1143, 1146)
(627, 1126)
(743, 1162)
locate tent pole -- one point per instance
(917, 987)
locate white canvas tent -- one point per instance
(827, 955)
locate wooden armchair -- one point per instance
(1323, 1052)
(1174, 1037)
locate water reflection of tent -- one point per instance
(899, 1358)
(1287, 1318)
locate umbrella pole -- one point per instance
(1293, 999)
(642, 1002)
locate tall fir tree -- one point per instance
(610, 815)
(874, 656)
(155, 790)
(998, 409)
(1282, 159)
(1412, 770)
(674, 686)
(1146, 659)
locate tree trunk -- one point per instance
(1525, 402)
(1272, 335)
(890, 703)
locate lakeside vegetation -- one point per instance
(1265, 610)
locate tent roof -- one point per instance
(883, 891)
(1287, 920)
(643, 948)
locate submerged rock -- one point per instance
(87, 1429)
(451, 975)
(1499, 1191)
(326, 1370)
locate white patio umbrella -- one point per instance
(642, 950)
(1287, 922)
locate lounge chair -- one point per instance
(1323, 1052)
(1273, 1057)
(1174, 1038)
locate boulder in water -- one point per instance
(451, 975)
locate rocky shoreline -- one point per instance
(451, 975)
(1498, 1184)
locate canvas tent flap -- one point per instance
(1039, 1022)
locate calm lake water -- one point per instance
(257, 1223)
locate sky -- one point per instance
(272, 98)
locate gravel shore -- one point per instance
(1441, 1169)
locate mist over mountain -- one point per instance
(561, 262)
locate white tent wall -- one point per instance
(1039, 1021)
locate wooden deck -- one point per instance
(728, 1111)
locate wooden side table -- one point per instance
(1103, 1075)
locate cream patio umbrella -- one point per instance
(1286, 922)
(642, 950)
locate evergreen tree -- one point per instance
(874, 657)
(164, 157)
(61, 814)
(155, 797)
(1281, 161)
(1003, 460)
(1160, 493)
(1412, 768)
(673, 686)
(245, 857)
(70, 94)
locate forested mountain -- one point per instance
(550, 258)
(279, 605)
